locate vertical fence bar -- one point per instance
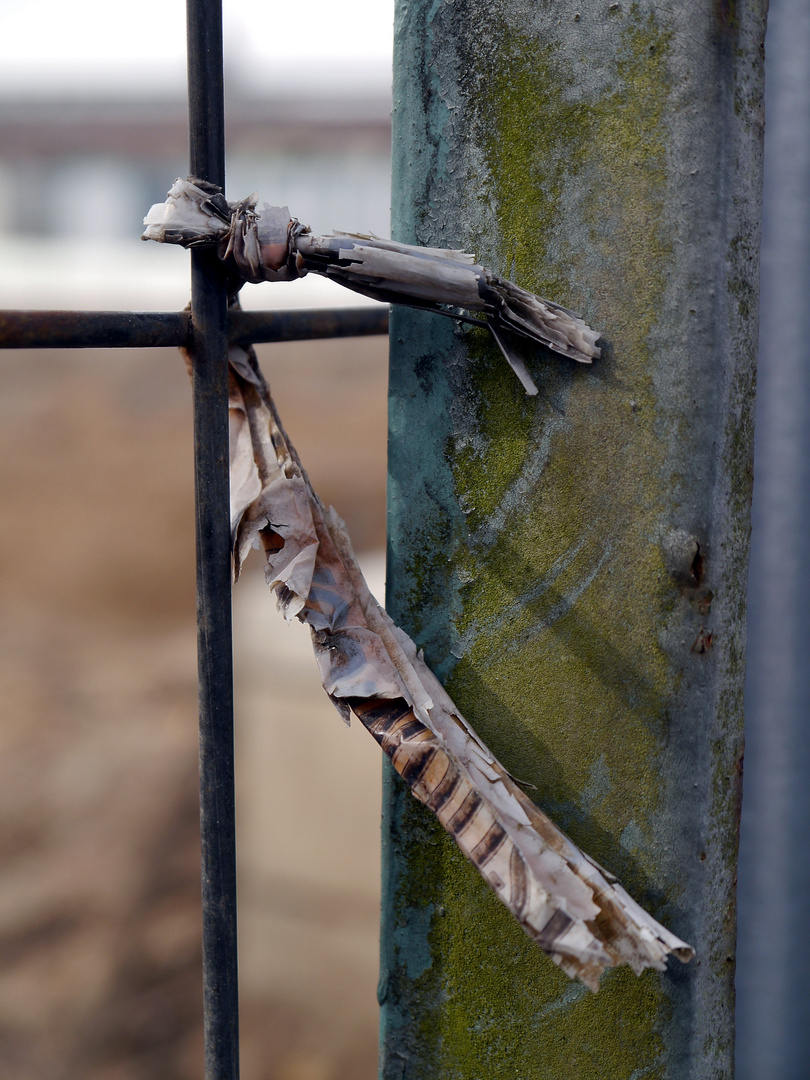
(215, 657)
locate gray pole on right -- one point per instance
(773, 1003)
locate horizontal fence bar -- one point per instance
(92, 329)
(267, 326)
(167, 329)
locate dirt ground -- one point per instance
(99, 878)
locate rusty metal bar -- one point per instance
(167, 329)
(269, 326)
(93, 329)
(209, 352)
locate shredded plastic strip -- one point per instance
(267, 244)
(576, 911)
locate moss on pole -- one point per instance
(574, 565)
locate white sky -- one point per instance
(48, 47)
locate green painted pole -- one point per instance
(574, 565)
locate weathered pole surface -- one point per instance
(574, 565)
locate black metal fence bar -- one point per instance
(142, 329)
(304, 325)
(93, 329)
(209, 349)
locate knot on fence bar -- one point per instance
(270, 245)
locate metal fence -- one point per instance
(775, 1008)
(206, 331)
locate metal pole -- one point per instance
(209, 332)
(573, 564)
(773, 1006)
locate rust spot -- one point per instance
(703, 856)
(703, 642)
(704, 601)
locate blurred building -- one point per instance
(66, 159)
(77, 175)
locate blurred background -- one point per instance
(99, 879)
(99, 835)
